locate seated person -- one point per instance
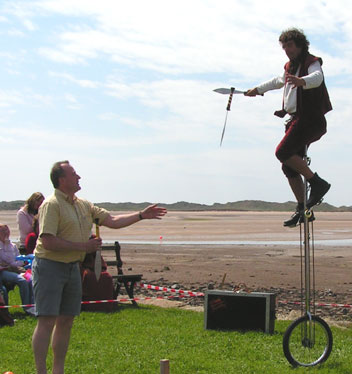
(12, 271)
(3, 291)
(5, 318)
(31, 239)
(26, 214)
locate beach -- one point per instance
(251, 249)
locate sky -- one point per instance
(124, 91)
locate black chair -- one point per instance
(128, 281)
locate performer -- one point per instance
(65, 223)
(306, 101)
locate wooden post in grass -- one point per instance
(164, 367)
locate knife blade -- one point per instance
(228, 108)
(227, 91)
(97, 263)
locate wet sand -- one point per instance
(271, 260)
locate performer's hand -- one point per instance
(93, 245)
(252, 92)
(295, 81)
(153, 212)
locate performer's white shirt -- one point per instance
(313, 79)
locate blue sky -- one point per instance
(124, 91)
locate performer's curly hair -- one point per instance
(297, 36)
(300, 40)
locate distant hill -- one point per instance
(11, 205)
(244, 205)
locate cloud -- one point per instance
(27, 98)
(192, 110)
(152, 38)
(84, 83)
(3, 19)
(16, 33)
(140, 78)
(10, 98)
(22, 11)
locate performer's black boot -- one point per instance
(295, 218)
(298, 217)
(318, 188)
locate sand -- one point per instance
(253, 249)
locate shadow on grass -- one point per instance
(20, 315)
(117, 308)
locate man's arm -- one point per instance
(315, 76)
(124, 220)
(312, 80)
(272, 84)
(53, 243)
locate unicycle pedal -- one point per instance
(308, 213)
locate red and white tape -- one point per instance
(122, 300)
(331, 305)
(136, 299)
(179, 294)
(173, 290)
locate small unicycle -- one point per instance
(308, 340)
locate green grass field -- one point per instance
(134, 340)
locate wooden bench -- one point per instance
(128, 281)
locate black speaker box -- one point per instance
(227, 310)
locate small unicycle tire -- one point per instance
(307, 341)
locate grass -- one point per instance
(134, 340)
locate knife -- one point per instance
(228, 108)
(227, 91)
(97, 263)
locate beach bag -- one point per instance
(5, 318)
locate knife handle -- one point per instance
(230, 99)
(97, 233)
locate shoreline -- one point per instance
(326, 242)
(253, 249)
(219, 226)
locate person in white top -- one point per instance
(11, 270)
(26, 214)
(306, 101)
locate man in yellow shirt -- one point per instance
(65, 223)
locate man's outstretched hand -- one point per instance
(153, 212)
(295, 81)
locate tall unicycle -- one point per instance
(308, 340)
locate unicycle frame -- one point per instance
(307, 246)
(308, 340)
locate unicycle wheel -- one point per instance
(307, 341)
